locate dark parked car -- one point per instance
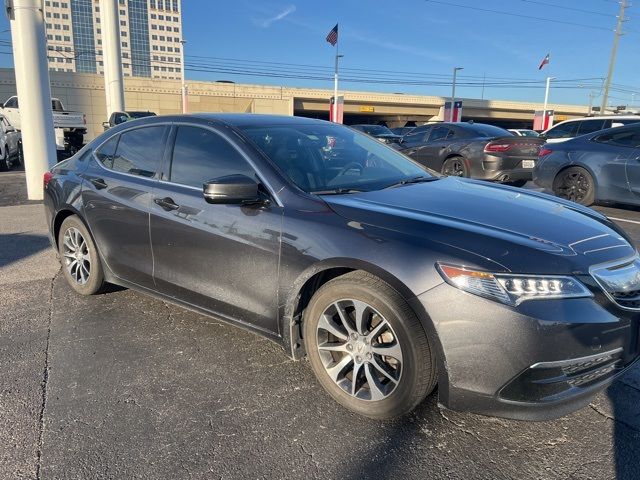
(388, 278)
(117, 118)
(600, 167)
(473, 150)
(379, 132)
(401, 130)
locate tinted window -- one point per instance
(200, 155)
(563, 130)
(139, 151)
(107, 151)
(12, 103)
(56, 106)
(590, 126)
(439, 133)
(418, 134)
(624, 137)
(487, 131)
(626, 121)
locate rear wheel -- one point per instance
(455, 167)
(575, 184)
(367, 347)
(5, 161)
(79, 257)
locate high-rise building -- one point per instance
(150, 35)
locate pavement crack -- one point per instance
(45, 378)
(311, 456)
(460, 426)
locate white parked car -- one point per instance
(10, 145)
(583, 126)
(74, 124)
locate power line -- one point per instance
(554, 5)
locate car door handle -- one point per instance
(166, 203)
(98, 183)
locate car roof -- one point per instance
(256, 119)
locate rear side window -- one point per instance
(627, 137)
(439, 133)
(107, 151)
(139, 151)
(590, 126)
(200, 155)
(418, 134)
(564, 130)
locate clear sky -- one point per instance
(387, 44)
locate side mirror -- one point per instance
(9, 129)
(233, 189)
(106, 125)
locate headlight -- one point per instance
(512, 289)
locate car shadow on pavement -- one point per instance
(17, 246)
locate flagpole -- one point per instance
(335, 85)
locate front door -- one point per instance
(223, 258)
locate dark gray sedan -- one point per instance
(600, 167)
(389, 279)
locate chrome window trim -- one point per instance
(607, 265)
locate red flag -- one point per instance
(545, 61)
(332, 37)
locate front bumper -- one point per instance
(538, 361)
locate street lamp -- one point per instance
(453, 91)
(185, 101)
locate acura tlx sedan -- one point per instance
(389, 278)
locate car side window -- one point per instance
(564, 130)
(629, 138)
(200, 155)
(590, 126)
(418, 135)
(139, 151)
(12, 103)
(439, 133)
(107, 151)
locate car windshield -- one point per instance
(375, 129)
(56, 105)
(141, 114)
(481, 130)
(332, 158)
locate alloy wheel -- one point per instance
(454, 168)
(76, 255)
(359, 349)
(574, 186)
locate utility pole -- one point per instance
(453, 92)
(34, 91)
(113, 81)
(185, 99)
(591, 96)
(612, 60)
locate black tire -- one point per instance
(575, 184)
(415, 374)
(5, 161)
(455, 167)
(20, 156)
(517, 183)
(87, 260)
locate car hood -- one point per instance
(518, 229)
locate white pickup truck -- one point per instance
(73, 124)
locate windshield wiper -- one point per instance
(408, 181)
(337, 191)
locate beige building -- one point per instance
(150, 35)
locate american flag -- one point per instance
(545, 61)
(332, 37)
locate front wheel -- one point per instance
(455, 167)
(575, 184)
(5, 161)
(367, 347)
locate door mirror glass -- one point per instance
(232, 189)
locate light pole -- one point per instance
(113, 79)
(335, 87)
(546, 101)
(34, 93)
(185, 100)
(453, 91)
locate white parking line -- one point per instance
(624, 220)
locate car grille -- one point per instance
(621, 282)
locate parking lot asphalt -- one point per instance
(121, 385)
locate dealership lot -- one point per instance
(122, 385)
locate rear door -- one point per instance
(116, 194)
(435, 150)
(223, 258)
